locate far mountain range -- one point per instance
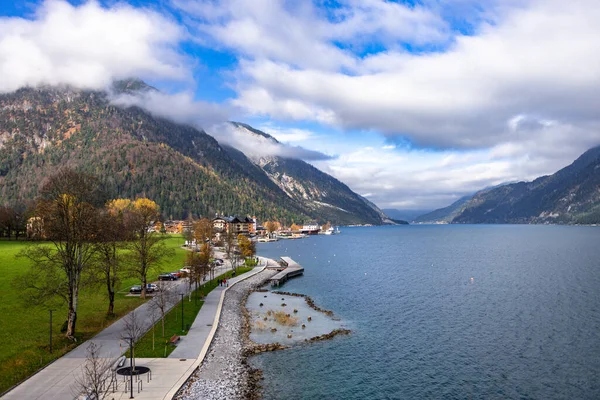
(570, 196)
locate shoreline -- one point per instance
(226, 371)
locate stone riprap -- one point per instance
(224, 374)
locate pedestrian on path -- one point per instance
(219, 281)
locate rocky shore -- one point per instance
(224, 373)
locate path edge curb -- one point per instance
(179, 384)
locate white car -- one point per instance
(185, 270)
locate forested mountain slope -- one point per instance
(134, 153)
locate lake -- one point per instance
(446, 311)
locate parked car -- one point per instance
(135, 289)
(151, 287)
(176, 274)
(218, 261)
(167, 277)
(185, 270)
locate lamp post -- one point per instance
(51, 330)
(130, 366)
(181, 312)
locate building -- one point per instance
(310, 228)
(35, 229)
(236, 225)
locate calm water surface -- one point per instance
(526, 326)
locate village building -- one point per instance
(35, 229)
(310, 228)
(236, 225)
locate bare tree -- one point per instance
(162, 300)
(133, 330)
(96, 376)
(68, 208)
(230, 247)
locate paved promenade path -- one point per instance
(168, 374)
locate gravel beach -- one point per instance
(223, 373)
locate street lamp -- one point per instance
(130, 365)
(181, 312)
(51, 330)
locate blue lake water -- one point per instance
(452, 312)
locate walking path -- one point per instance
(56, 380)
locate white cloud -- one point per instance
(180, 107)
(540, 58)
(88, 46)
(513, 99)
(257, 146)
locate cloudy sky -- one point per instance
(411, 103)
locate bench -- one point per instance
(174, 339)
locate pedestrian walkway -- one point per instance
(56, 380)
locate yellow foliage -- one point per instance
(118, 205)
(144, 203)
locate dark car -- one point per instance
(167, 277)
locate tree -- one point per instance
(68, 208)
(133, 330)
(247, 246)
(326, 226)
(147, 247)
(188, 234)
(203, 230)
(13, 220)
(162, 301)
(272, 226)
(295, 228)
(96, 376)
(230, 246)
(204, 257)
(112, 234)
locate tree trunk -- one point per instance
(143, 294)
(111, 303)
(71, 320)
(72, 315)
(163, 325)
(111, 295)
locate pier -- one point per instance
(287, 268)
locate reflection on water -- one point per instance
(276, 322)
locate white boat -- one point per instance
(331, 231)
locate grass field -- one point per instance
(24, 333)
(144, 347)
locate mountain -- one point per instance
(446, 214)
(325, 197)
(185, 170)
(406, 215)
(570, 196)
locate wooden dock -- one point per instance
(287, 268)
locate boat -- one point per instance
(331, 231)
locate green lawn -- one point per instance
(144, 348)
(25, 328)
